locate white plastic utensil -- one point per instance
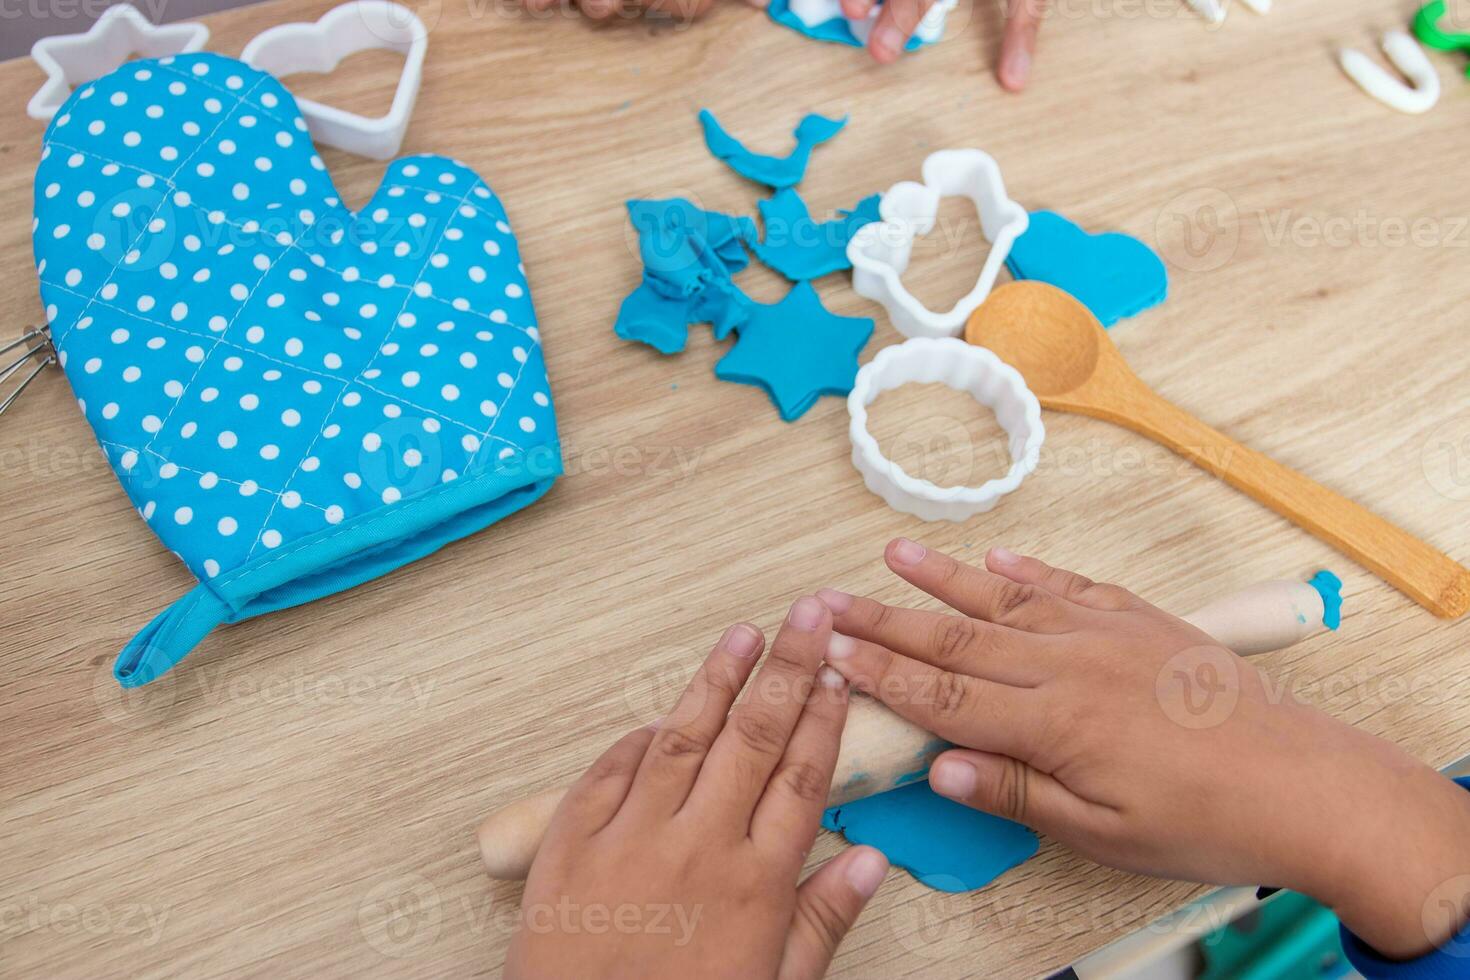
(362, 25)
(880, 251)
(963, 367)
(72, 60)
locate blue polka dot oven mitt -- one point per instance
(297, 398)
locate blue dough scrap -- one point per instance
(796, 351)
(945, 845)
(1114, 275)
(800, 248)
(689, 258)
(837, 30)
(776, 172)
(1329, 587)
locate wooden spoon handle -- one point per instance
(1420, 571)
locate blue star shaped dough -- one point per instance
(796, 351)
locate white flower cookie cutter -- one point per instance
(362, 25)
(815, 13)
(880, 251)
(70, 60)
(963, 367)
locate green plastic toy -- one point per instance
(1289, 937)
(1430, 34)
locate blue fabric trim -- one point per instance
(1450, 962)
(337, 558)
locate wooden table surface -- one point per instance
(299, 797)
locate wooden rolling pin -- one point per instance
(881, 751)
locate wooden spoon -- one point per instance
(1071, 365)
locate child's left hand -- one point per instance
(677, 854)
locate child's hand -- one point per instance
(896, 23)
(898, 20)
(1139, 741)
(677, 854)
(1023, 21)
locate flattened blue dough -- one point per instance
(812, 131)
(800, 248)
(689, 257)
(1113, 274)
(837, 30)
(796, 351)
(944, 845)
(649, 317)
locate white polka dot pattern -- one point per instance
(258, 362)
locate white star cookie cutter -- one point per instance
(815, 13)
(1407, 57)
(880, 251)
(363, 25)
(122, 31)
(964, 367)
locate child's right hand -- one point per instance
(1139, 741)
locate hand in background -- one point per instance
(1129, 735)
(677, 854)
(1018, 45)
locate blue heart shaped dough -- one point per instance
(1113, 274)
(296, 397)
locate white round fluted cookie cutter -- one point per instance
(963, 367)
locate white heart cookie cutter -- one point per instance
(1408, 57)
(963, 367)
(815, 13)
(70, 60)
(362, 25)
(880, 251)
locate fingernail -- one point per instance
(907, 552)
(828, 677)
(838, 602)
(806, 613)
(840, 647)
(742, 640)
(656, 723)
(953, 778)
(1016, 67)
(1004, 556)
(865, 871)
(888, 39)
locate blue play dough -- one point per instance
(837, 30)
(1113, 274)
(689, 258)
(796, 351)
(945, 845)
(297, 397)
(801, 248)
(1329, 587)
(777, 172)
